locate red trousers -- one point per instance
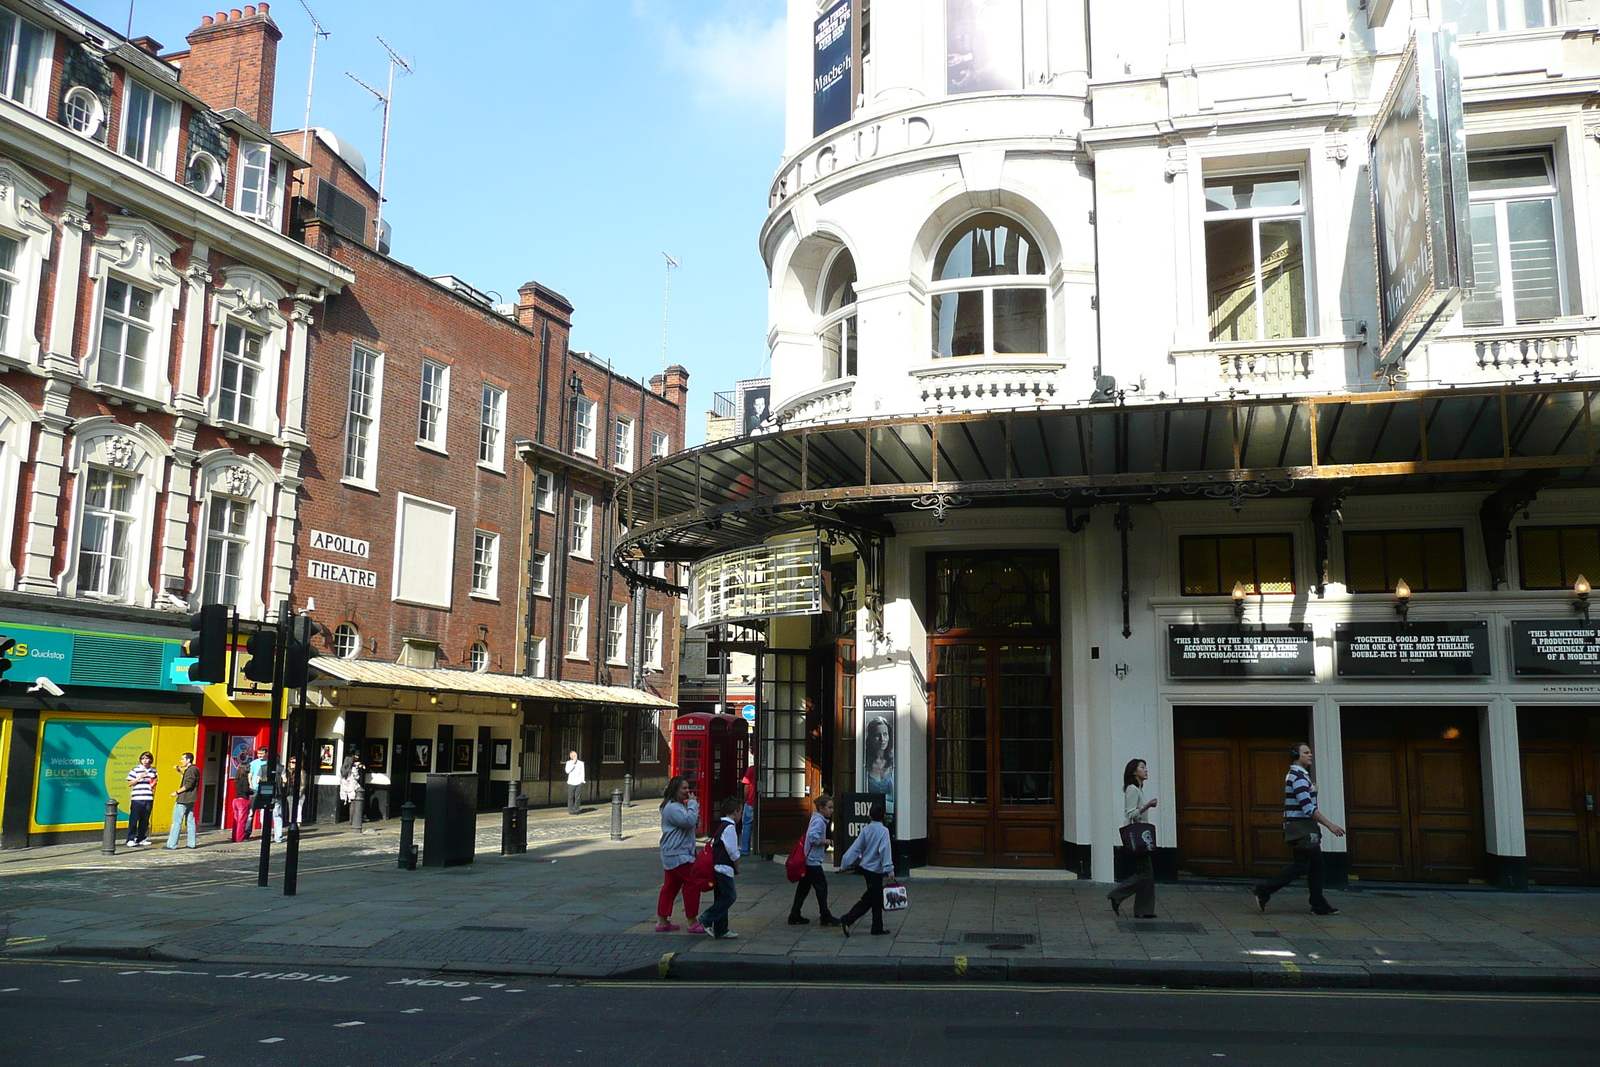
(242, 817)
(678, 879)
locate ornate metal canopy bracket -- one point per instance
(1497, 512)
(1239, 493)
(1325, 511)
(941, 504)
(869, 549)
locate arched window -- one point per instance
(988, 291)
(838, 309)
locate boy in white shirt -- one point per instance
(725, 843)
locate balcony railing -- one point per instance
(973, 383)
(830, 400)
(1546, 350)
(1298, 365)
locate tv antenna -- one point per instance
(317, 34)
(395, 60)
(666, 307)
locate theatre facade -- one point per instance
(1107, 424)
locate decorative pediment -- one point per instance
(247, 477)
(20, 197)
(138, 249)
(247, 294)
(103, 441)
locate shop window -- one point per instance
(988, 291)
(1429, 561)
(1516, 240)
(1262, 563)
(611, 738)
(1553, 556)
(1255, 257)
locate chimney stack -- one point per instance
(673, 386)
(233, 61)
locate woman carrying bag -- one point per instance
(1141, 884)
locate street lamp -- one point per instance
(1402, 599)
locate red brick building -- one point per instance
(457, 525)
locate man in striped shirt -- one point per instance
(141, 798)
(1301, 820)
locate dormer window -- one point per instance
(204, 174)
(149, 127)
(81, 111)
(23, 61)
(260, 183)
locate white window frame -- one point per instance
(1501, 199)
(213, 174)
(36, 93)
(1493, 11)
(434, 407)
(582, 526)
(258, 192)
(244, 480)
(23, 222)
(617, 633)
(100, 441)
(986, 285)
(544, 491)
(248, 298)
(138, 252)
(583, 425)
(539, 574)
(345, 630)
(539, 659)
(126, 324)
(113, 519)
(239, 376)
(17, 417)
(86, 103)
(654, 637)
(492, 428)
(478, 649)
(448, 547)
(485, 565)
(843, 323)
(233, 543)
(576, 625)
(158, 154)
(660, 444)
(622, 443)
(366, 424)
(1256, 216)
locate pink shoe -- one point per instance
(697, 929)
(666, 928)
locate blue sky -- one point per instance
(567, 142)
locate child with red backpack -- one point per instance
(816, 845)
(725, 849)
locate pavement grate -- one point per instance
(501, 929)
(994, 938)
(1134, 927)
(1265, 933)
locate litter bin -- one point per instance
(449, 833)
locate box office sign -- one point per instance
(82, 764)
(1560, 648)
(1411, 650)
(756, 583)
(1213, 651)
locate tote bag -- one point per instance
(895, 897)
(1139, 838)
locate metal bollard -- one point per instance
(522, 820)
(408, 851)
(627, 790)
(358, 809)
(510, 828)
(108, 839)
(616, 815)
(291, 861)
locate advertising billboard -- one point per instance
(1421, 230)
(832, 69)
(82, 764)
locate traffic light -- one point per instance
(211, 647)
(6, 645)
(297, 670)
(263, 649)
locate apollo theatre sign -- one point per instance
(1418, 149)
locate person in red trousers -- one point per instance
(680, 817)
(239, 806)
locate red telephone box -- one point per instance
(711, 751)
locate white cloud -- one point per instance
(731, 60)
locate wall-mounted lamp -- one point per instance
(333, 694)
(433, 698)
(574, 383)
(1580, 590)
(1402, 599)
(1238, 601)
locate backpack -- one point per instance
(703, 873)
(795, 865)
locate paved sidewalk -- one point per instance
(580, 905)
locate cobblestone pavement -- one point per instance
(578, 903)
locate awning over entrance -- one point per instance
(393, 676)
(849, 475)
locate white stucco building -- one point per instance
(1075, 339)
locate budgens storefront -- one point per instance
(78, 708)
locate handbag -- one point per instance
(895, 897)
(1301, 834)
(1139, 838)
(795, 865)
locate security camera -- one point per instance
(48, 686)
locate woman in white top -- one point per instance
(1141, 884)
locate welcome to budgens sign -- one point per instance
(756, 583)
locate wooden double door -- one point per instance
(1413, 793)
(996, 786)
(1560, 750)
(1231, 762)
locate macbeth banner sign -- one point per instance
(1562, 648)
(1418, 149)
(1240, 652)
(830, 84)
(1411, 650)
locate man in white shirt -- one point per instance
(574, 783)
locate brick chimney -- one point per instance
(233, 61)
(673, 385)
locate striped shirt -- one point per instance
(143, 780)
(1299, 794)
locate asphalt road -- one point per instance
(64, 1014)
